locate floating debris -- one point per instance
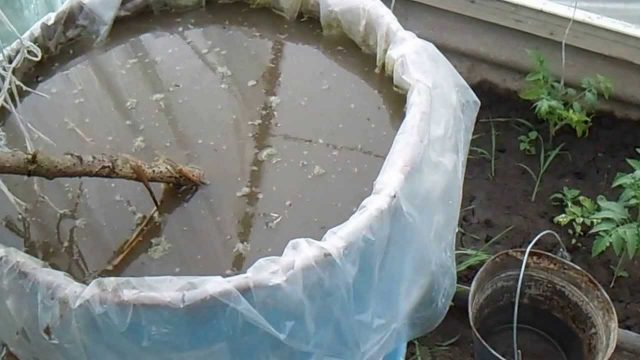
(72, 126)
(252, 83)
(242, 248)
(157, 97)
(269, 154)
(275, 219)
(243, 192)
(318, 171)
(223, 70)
(159, 247)
(274, 101)
(131, 104)
(138, 144)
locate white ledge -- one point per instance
(549, 20)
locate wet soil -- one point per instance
(492, 204)
(290, 127)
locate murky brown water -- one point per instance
(290, 127)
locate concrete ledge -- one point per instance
(483, 50)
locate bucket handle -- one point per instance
(516, 353)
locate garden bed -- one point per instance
(493, 204)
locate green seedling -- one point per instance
(527, 142)
(470, 258)
(578, 212)
(429, 352)
(545, 159)
(616, 229)
(615, 224)
(493, 151)
(559, 105)
(482, 153)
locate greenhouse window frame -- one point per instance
(593, 32)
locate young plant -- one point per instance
(470, 258)
(545, 159)
(527, 142)
(578, 212)
(559, 105)
(615, 224)
(431, 352)
(616, 229)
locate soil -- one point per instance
(290, 127)
(492, 204)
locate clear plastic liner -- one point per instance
(383, 277)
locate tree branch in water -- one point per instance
(120, 166)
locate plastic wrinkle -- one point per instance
(383, 277)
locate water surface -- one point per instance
(290, 127)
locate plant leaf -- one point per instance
(635, 164)
(599, 245)
(618, 241)
(603, 226)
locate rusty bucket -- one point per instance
(564, 314)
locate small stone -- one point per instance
(157, 97)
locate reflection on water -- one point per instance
(290, 127)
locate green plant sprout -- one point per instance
(559, 105)
(469, 258)
(545, 159)
(527, 142)
(429, 352)
(578, 212)
(482, 153)
(615, 224)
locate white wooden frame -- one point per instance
(546, 19)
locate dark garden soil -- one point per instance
(493, 204)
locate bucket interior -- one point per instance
(560, 316)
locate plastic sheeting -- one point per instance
(384, 276)
(23, 14)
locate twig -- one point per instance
(105, 166)
(138, 168)
(128, 245)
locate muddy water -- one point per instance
(290, 127)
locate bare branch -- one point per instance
(120, 166)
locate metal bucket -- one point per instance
(564, 314)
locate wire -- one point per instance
(516, 352)
(564, 40)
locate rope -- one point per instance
(9, 95)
